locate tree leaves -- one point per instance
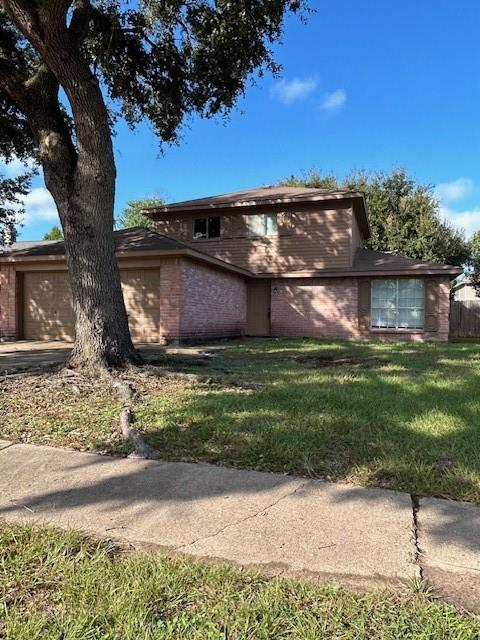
(403, 214)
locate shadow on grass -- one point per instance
(411, 423)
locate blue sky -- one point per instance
(370, 84)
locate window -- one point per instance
(206, 228)
(262, 224)
(398, 304)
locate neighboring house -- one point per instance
(276, 261)
(463, 289)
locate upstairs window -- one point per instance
(398, 303)
(263, 224)
(206, 228)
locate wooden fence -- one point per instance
(465, 319)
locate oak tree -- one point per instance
(404, 214)
(70, 68)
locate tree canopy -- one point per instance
(55, 233)
(12, 191)
(70, 68)
(474, 264)
(132, 215)
(404, 214)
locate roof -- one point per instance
(271, 195)
(257, 196)
(380, 261)
(139, 240)
(136, 240)
(133, 239)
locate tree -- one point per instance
(70, 68)
(12, 191)
(55, 233)
(474, 264)
(404, 215)
(132, 215)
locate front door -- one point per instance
(258, 308)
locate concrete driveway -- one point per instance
(25, 355)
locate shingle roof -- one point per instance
(367, 260)
(274, 194)
(133, 239)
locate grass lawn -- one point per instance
(57, 585)
(401, 415)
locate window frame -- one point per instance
(396, 309)
(265, 218)
(207, 223)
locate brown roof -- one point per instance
(367, 260)
(262, 195)
(135, 239)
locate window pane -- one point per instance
(383, 318)
(384, 293)
(214, 227)
(256, 225)
(271, 224)
(411, 293)
(199, 228)
(410, 318)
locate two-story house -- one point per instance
(276, 261)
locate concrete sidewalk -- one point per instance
(284, 525)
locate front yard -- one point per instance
(61, 585)
(403, 416)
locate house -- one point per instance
(276, 261)
(463, 289)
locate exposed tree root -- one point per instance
(126, 395)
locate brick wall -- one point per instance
(170, 299)
(8, 312)
(214, 302)
(315, 307)
(328, 308)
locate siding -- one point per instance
(308, 239)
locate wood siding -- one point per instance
(309, 238)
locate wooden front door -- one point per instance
(258, 308)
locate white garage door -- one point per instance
(48, 313)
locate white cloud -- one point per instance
(334, 100)
(15, 168)
(455, 190)
(39, 206)
(288, 91)
(468, 220)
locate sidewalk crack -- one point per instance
(262, 511)
(417, 555)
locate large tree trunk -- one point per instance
(102, 335)
(85, 205)
(79, 172)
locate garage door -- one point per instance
(48, 313)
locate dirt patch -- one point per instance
(318, 362)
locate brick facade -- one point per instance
(214, 302)
(316, 307)
(8, 302)
(198, 302)
(328, 308)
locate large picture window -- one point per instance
(398, 303)
(262, 224)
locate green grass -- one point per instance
(409, 420)
(62, 586)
